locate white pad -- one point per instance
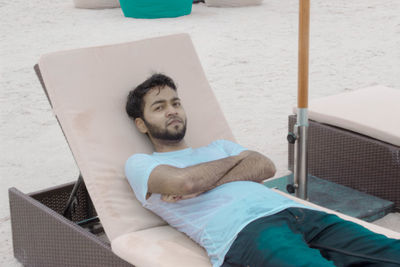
(88, 90)
(159, 247)
(372, 111)
(96, 4)
(370, 226)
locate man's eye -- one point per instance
(157, 108)
(177, 104)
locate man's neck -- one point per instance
(169, 146)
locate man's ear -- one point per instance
(141, 125)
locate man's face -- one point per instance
(164, 116)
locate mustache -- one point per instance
(174, 119)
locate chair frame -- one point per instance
(42, 236)
(352, 159)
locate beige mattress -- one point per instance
(372, 111)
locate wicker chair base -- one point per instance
(43, 237)
(351, 159)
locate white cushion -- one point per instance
(372, 111)
(96, 4)
(232, 3)
(370, 226)
(88, 89)
(161, 246)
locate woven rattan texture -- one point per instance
(42, 237)
(348, 158)
(58, 199)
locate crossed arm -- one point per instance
(181, 183)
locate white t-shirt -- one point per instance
(214, 218)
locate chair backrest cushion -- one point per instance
(88, 90)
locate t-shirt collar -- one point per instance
(174, 153)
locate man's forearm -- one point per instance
(170, 180)
(247, 166)
(201, 177)
(254, 167)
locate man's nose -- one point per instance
(171, 111)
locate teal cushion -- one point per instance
(152, 9)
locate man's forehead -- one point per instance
(165, 93)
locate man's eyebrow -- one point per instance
(163, 101)
(158, 102)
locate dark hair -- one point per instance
(135, 104)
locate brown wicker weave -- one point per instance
(43, 237)
(351, 159)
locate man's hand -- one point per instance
(171, 198)
(176, 198)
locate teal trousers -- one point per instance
(303, 237)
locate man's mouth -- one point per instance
(174, 121)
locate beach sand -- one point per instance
(249, 55)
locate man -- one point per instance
(213, 194)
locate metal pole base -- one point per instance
(300, 166)
(299, 139)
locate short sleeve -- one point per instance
(229, 147)
(137, 170)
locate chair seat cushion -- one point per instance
(161, 246)
(164, 246)
(372, 111)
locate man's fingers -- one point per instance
(175, 198)
(191, 195)
(170, 198)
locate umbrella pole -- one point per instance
(301, 127)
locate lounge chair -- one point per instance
(96, 4)
(232, 3)
(87, 89)
(354, 140)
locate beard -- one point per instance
(165, 133)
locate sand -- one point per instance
(249, 55)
